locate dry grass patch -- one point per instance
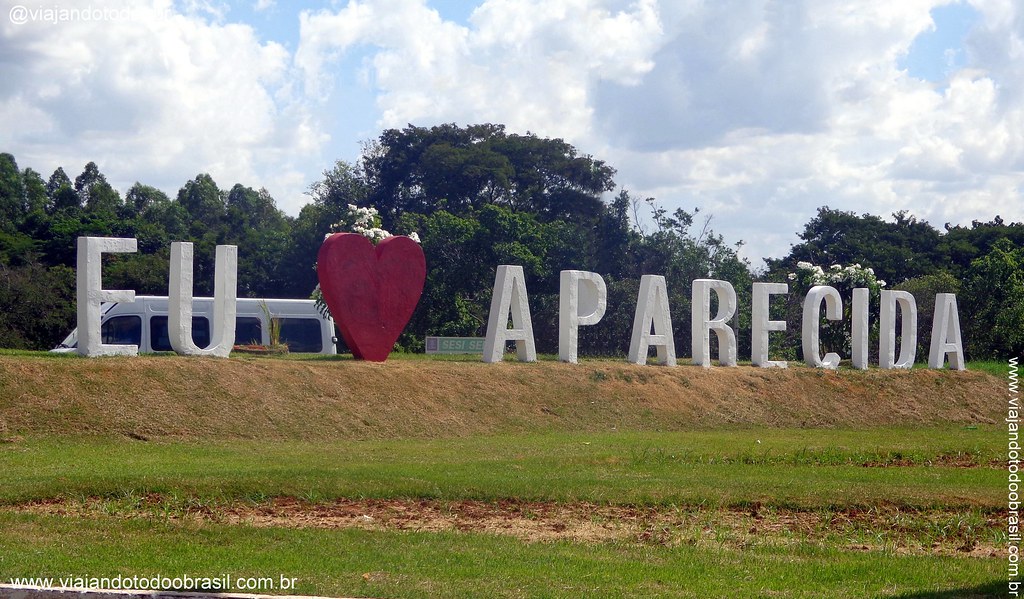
(170, 396)
(879, 528)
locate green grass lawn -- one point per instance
(789, 468)
(396, 564)
(953, 469)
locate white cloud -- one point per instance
(157, 97)
(811, 110)
(530, 65)
(758, 111)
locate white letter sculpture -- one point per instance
(891, 300)
(761, 324)
(179, 304)
(702, 324)
(90, 294)
(582, 300)
(652, 309)
(860, 328)
(946, 334)
(509, 295)
(812, 313)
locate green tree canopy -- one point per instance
(897, 251)
(462, 169)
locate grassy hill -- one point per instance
(338, 398)
(426, 477)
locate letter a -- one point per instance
(652, 309)
(509, 296)
(946, 339)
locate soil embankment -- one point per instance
(170, 396)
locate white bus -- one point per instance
(144, 323)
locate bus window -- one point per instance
(248, 330)
(161, 341)
(122, 330)
(302, 335)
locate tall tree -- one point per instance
(262, 234)
(204, 202)
(963, 245)
(12, 195)
(61, 192)
(897, 251)
(460, 169)
(992, 312)
(100, 199)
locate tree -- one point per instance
(992, 306)
(262, 233)
(962, 245)
(897, 251)
(460, 170)
(61, 192)
(36, 305)
(142, 197)
(12, 195)
(204, 203)
(36, 200)
(99, 198)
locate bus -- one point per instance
(144, 323)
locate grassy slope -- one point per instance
(804, 469)
(452, 430)
(318, 399)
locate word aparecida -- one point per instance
(583, 300)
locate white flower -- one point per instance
(837, 267)
(881, 283)
(376, 234)
(804, 265)
(792, 276)
(413, 236)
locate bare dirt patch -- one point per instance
(880, 528)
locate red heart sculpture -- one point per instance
(371, 291)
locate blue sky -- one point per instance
(756, 111)
(935, 54)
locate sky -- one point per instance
(757, 112)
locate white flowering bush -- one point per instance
(836, 336)
(838, 276)
(365, 222)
